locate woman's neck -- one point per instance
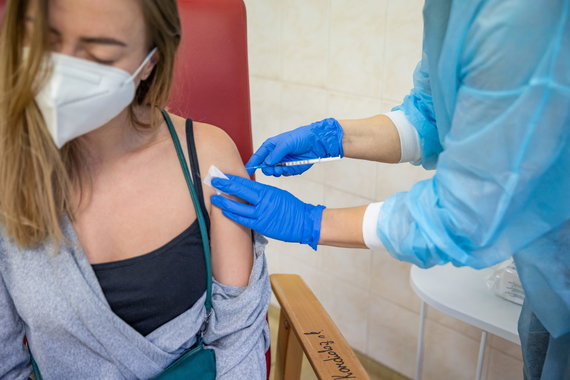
(118, 138)
(118, 141)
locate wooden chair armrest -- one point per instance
(314, 333)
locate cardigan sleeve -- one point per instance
(14, 357)
(238, 330)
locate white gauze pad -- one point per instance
(214, 172)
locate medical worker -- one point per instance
(490, 112)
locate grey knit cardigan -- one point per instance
(56, 302)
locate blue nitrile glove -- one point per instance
(318, 140)
(272, 212)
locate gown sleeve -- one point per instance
(502, 180)
(418, 110)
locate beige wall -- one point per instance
(312, 59)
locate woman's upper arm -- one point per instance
(231, 243)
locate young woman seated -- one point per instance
(102, 267)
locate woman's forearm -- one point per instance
(342, 227)
(374, 139)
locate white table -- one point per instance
(462, 293)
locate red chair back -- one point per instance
(211, 80)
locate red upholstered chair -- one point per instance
(211, 78)
(211, 81)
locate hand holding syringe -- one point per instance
(294, 152)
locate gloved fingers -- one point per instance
(232, 206)
(295, 170)
(243, 188)
(275, 171)
(278, 171)
(250, 170)
(282, 148)
(270, 171)
(259, 156)
(248, 222)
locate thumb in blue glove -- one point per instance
(317, 140)
(271, 211)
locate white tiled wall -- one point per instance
(311, 59)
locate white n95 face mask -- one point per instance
(80, 96)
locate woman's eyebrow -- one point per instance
(88, 40)
(102, 40)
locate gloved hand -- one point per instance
(272, 212)
(318, 140)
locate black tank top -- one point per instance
(149, 290)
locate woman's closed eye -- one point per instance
(102, 61)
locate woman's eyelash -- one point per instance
(103, 62)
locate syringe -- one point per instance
(297, 163)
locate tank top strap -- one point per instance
(195, 168)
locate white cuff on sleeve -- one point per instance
(409, 138)
(369, 226)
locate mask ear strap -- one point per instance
(143, 64)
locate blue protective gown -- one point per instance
(491, 104)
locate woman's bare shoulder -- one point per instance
(214, 147)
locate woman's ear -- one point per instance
(147, 70)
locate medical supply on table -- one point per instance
(505, 282)
(297, 163)
(214, 172)
(322, 139)
(79, 95)
(291, 219)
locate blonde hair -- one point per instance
(35, 177)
